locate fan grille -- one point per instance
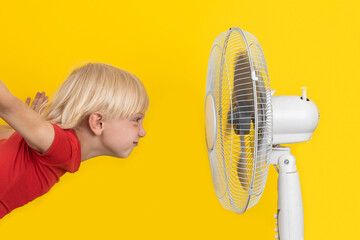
(239, 83)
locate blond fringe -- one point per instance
(96, 87)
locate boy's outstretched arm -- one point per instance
(38, 133)
(6, 131)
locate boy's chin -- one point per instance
(123, 154)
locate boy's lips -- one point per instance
(136, 143)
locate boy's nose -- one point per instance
(142, 132)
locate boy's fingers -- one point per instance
(42, 97)
(37, 96)
(28, 100)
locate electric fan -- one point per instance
(244, 125)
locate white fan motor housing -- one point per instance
(295, 118)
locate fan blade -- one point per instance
(243, 113)
(242, 96)
(242, 166)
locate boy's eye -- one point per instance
(137, 118)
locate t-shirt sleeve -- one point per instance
(64, 151)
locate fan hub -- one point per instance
(210, 120)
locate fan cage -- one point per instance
(239, 82)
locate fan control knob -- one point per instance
(303, 97)
(276, 236)
(275, 216)
(276, 229)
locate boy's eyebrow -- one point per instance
(141, 114)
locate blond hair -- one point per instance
(96, 87)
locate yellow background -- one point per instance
(164, 189)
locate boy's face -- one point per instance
(121, 136)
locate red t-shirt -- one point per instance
(25, 174)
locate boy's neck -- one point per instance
(89, 143)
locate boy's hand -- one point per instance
(38, 100)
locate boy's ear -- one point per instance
(96, 120)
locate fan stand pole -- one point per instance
(290, 216)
